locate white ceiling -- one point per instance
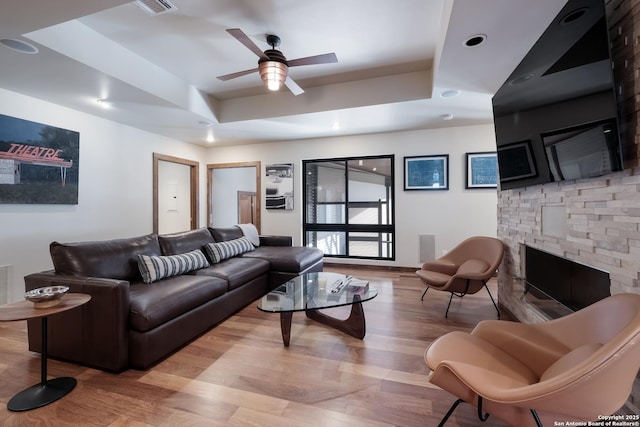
(159, 72)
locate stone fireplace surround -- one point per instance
(603, 218)
(602, 215)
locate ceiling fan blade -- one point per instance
(238, 74)
(245, 40)
(293, 86)
(327, 58)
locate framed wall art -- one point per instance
(38, 163)
(426, 172)
(279, 186)
(482, 170)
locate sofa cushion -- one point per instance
(292, 259)
(276, 240)
(186, 241)
(114, 259)
(223, 234)
(223, 250)
(167, 299)
(236, 271)
(154, 268)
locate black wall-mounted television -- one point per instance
(557, 115)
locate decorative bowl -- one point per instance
(46, 297)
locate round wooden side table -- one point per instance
(47, 391)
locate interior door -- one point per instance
(175, 194)
(174, 197)
(246, 207)
(224, 183)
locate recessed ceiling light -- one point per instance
(573, 16)
(210, 136)
(475, 40)
(19, 46)
(447, 116)
(205, 123)
(104, 103)
(450, 93)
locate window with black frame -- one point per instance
(348, 206)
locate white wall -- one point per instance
(451, 215)
(115, 194)
(115, 188)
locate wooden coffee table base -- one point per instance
(354, 325)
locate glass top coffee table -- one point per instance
(311, 292)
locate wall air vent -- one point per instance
(5, 274)
(155, 7)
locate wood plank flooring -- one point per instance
(240, 374)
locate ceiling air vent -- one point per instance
(155, 7)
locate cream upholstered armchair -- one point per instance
(576, 368)
(465, 269)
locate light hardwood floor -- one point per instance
(239, 373)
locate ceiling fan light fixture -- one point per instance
(273, 74)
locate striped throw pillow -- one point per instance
(223, 250)
(153, 268)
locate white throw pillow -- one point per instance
(250, 232)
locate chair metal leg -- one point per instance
(491, 296)
(536, 418)
(481, 415)
(450, 411)
(425, 291)
(459, 295)
(462, 294)
(446, 314)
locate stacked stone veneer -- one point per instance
(602, 214)
(603, 217)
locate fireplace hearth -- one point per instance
(558, 286)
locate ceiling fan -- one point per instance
(273, 66)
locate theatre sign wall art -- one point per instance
(38, 163)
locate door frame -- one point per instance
(212, 166)
(194, 174)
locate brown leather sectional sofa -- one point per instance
(131, 324)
